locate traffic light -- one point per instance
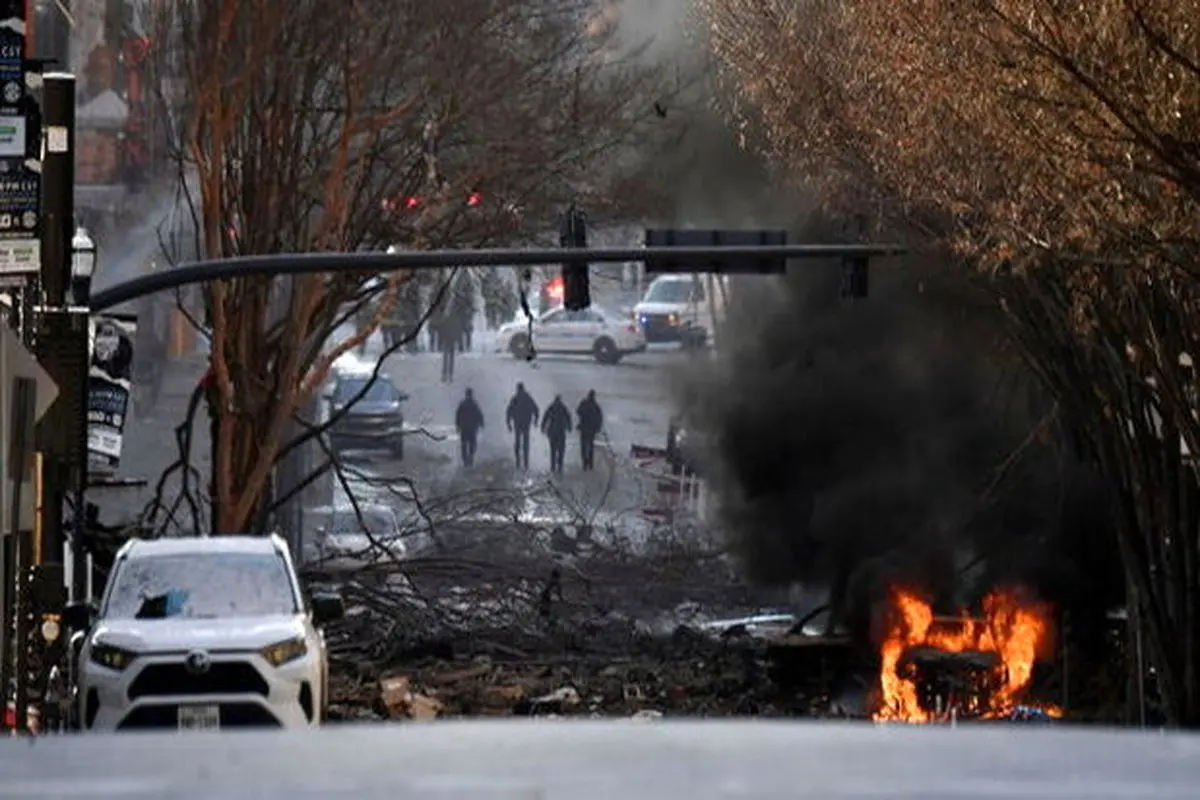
(576, 291)
(855, 277)
(409, 203)
(723, 265)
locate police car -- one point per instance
(605, 336)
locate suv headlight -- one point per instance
(112, 657)
(283, 652)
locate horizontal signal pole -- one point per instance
(376, 262)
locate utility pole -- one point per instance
(62, 340)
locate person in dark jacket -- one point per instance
(591, 422)
(468, 420)
(447, 333)
(556, 424)
(462, 308)
(522, 413)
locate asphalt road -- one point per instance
(633, 394)
(549, 760)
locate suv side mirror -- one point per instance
(327, 607)
(78, 616)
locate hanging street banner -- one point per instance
(110, 388)
(20, 143)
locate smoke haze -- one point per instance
(855, 446)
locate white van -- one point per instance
(682, 307)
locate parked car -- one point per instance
(605, 336)
(371, 412)
(338, 539)
(676, 308)
(202, 634)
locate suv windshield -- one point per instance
(212, 585)
(381, 391)
(675, 292)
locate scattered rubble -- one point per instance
(519, 626)
(691, 672)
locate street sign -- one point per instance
(20, 129)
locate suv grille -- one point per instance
(223, 677)
(658, 327)
(233, 715)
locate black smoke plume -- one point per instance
(856, 445)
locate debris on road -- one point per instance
(400, 702)
(688, 673)
(509, 624)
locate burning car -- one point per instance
(940, 668)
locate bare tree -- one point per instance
(305, 126)
(1055, 148)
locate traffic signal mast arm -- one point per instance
(379, 262)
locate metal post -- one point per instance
(21, 633)
(7, 618)
(63, 428)
(81, 562)
(22, 404)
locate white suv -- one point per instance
(681, 308)
(203, 634)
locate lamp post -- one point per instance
(60, 348)
(83, 267)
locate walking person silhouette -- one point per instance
(521, 415)
(591, 422)
(448, 335)
(468, 419)
(556, 424)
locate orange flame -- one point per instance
(1013, 632)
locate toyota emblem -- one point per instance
(197, 662)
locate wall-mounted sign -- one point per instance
(12, 137)
(20, 180)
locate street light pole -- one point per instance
(59, 347)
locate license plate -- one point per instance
(199, 718)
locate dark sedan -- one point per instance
(370, 412)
